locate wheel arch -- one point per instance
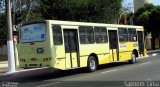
(95, 55)
(136, 52)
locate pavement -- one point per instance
(4, 64)
(3, 67)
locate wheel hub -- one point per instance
(92, 64)
(133, 57)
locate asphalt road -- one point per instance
(111, 75)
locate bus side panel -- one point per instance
(57, 51)
(101, 50)
(131, 47)
(125, 51)
(59, 56)
(85, 50)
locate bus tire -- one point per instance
(134, 58)
(92, 64)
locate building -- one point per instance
(140, 3)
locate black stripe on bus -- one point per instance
(124, 51)
(102, 53)
(61, 58)
(97, 54)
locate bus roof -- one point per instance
(90, 24)
(33, 22)
(73, 23)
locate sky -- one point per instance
(155, 2)
(130, 2)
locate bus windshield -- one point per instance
(32, 32)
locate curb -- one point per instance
(3, 65)
(154, 51)
(154, 54)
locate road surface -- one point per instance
(112, 75)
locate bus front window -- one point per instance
(32, 32)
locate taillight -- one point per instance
(46, 59)
(33, 59)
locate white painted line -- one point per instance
(109, 71)
(154, 54)
(48, 84)
(145, 63)
(149, 79)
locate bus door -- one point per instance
(140, 42)
(71, 47)
(113, 41)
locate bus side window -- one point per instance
(132, 35)
(100, 34)
(86, 35)
(57, 34)
(123, 34)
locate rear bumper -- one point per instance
(34, 65)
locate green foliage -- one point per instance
(29, 9)
(81, 10)
(105, 11)
(146, 7)
(142, 17)
(154, 20)
(149, 17)
(2, 25)
(3, 30)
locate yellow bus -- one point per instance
(67, 45)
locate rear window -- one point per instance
(33, 32)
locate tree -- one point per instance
(141, 17)
(81, 10)
(3, 30)
(149, 17)
(154, 22)
(30, 10)
(126, 14)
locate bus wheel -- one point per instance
(92, 64)
(133, 60)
